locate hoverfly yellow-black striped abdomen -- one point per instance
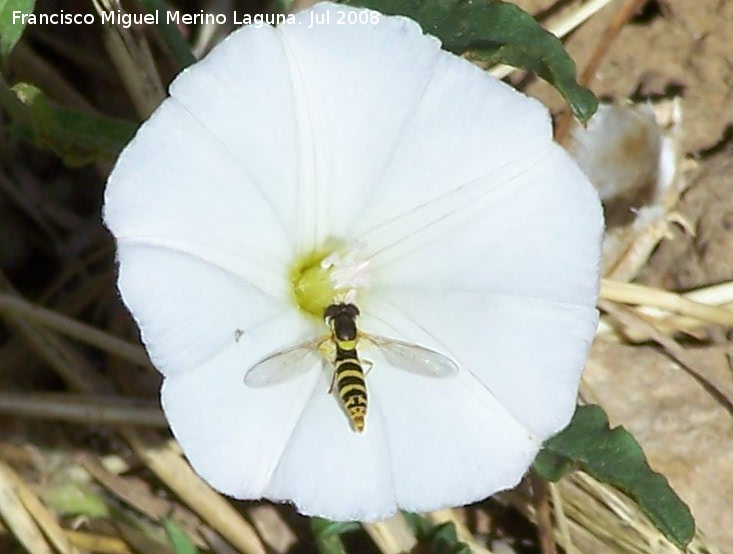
(348, 378)
(340, 348)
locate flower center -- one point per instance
(331, 274)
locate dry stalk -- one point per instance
(602, 520)
(631, 293)
(391, 536)
(86, 409)
(138, 497)
(541, 500)
(720, 295)
(720, 390)
(99, 544)
(17, 517)
(216, 544)
(12, 304)
(19, 195)
(65, 360)
(561, 519)
(134, 61)
(274, 530)
(175, 472)
(43, 517)
(616, 520)
(168, 465)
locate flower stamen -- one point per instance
(330, 275)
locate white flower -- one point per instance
(296, 165)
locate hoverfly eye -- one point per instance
(330, 312)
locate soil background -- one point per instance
(675, 49)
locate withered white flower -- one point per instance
(296, 166)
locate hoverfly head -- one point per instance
(341, 318)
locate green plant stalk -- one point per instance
(327, 541)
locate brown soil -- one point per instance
(676, 49)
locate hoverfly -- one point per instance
(339, 348)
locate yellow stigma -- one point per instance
(312, 285)
(331, 274)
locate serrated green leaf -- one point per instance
(178, 538)
(11, 28)
(78, 138)
(614, 456)
(496, 32)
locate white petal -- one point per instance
(242, 96)
(536, 236)
(360, 85)
(329, 470)
(483, 236)
(527, 352)
(187, 310)
(234, 435)
(175, 186)
(467, 128)
(449, 440)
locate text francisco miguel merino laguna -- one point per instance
(127, 20)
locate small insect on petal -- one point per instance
(364, 269)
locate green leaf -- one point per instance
(444, 540)
(613, 456)
(441, 539)
(496, 32)
(77, 137)
(328, 534)
(282, 6)
(10, 29)
(419, 525)
(327, 527)
(75, 499)
(178, 538)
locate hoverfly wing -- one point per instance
(414, 358)
(283, 365)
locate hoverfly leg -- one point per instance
(333, 383)
(368, 365)
(327, 348)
